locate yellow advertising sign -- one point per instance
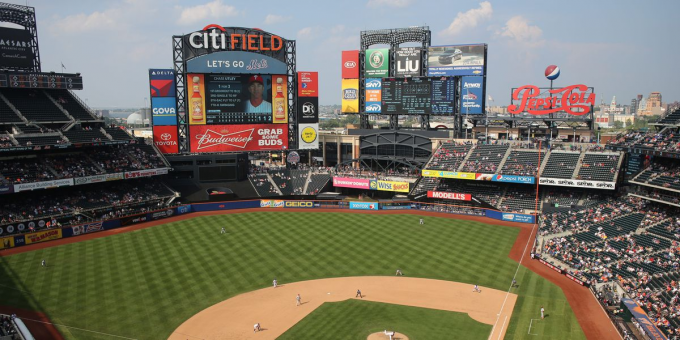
(350, 96)
(280, 99)
(196, 100)
(6, 242)
(392, 186)
(449, 174)
(43, 236)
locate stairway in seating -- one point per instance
(276, 187)
(579, 163)
(505, 158)
(462, 163)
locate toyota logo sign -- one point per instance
(166, 136)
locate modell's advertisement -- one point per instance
(245, 137)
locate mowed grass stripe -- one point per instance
(143, 284)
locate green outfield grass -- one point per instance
(145, 283)
(357, 319)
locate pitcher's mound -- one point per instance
(382, 336)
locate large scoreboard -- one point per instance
(41, 80)
(419, 95)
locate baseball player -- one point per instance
(44, 263)
(256, 327)
(476, 289)
(542, 312)
(359, 294)
(223, 231)
(399, 273)
(297, 300)
(275, 283)
(421, 221)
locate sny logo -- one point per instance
(373, 84)
(373, 108)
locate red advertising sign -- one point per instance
(308, 84)
(229, 138)
(575, 100)
(350, 64)
(165, 138)
(449, 195)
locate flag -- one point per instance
(490, 99)
(62, 66)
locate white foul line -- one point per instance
(81, 329)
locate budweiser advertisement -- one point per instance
(449, 195)
(575, 100)
(165, 138)
(350, 64)
(229, 138)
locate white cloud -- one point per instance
(388, 3)
(469, 19)
(519, 30)
(305, 33)
(337, 29)
(97, 21)
(211, 10)
(272, 19)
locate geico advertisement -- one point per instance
(165, 138)
(299, 204)
(389, 186)
(228, 138)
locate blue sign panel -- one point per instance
(235, 62)
(164, 111)
(472, 95)
(162, 82)
(363, 205)
(514, 179)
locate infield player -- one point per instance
(399, 273)
(276, 283)
(297, 300)
(359, 294)
(476, 289)
(256, 327)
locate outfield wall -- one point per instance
(12, 241)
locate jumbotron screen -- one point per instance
(418, 95)
(227, 99)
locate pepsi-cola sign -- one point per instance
(575, 100)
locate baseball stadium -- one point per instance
(238, 217)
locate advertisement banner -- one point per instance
(577, 183)
(165, 139)
(15, 50)
(43, 185)
(6, 189)
(456, 60)
(472, 95)
(308, 84)
(449, 195)
(184, 209)
(449, 174)
(43, 236)
(356, 183)
(163, 110)
(280, 99)
(146, 173)
(7, 242)
(308, 110)
(510, 217)
(377, 63)
(99, 178)
(129, 220)
(196, 99)
(350, 64)
(246, 137)
(506, 178)
(389, 186)
(271, 203)
(363, 205)
(299, 204)
(407, 61)
(643, 319)
(550, 265)
(162, 82)
(373, 95)
(396, 207)
(236, 62)
(87, 228)
(226, 205)
(157, 215)
(350, 96)
(309, 136)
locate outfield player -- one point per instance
(276, 283)
(399, 273)
(223, 231)
(43, 263)
(542, 312)
(421, 221)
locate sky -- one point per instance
(621, 48)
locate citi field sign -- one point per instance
(217, 37)
(575, 100)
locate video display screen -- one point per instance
(238, 99)
(418, 95)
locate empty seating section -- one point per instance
(671, 119)
(317, 182)
(599, 167)
(561, 164)
(522, 163)
(145, 156)
(426, 184)
(262, 185)
(487, 192)
(85, 136)
(29, 129)
(53, 139)
(34, 105)
(666, 229)
(485, 158)
(290, 182)
(562, 198)
(660, 176)
(70, 104)
(518, 199)
(449, 156)
(118, 134)
(7, 115)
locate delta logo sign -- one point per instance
(575, 100)
(217, 37)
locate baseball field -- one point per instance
(146, 283)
